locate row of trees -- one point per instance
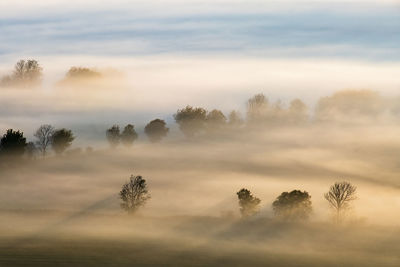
(297, 205)
(155, 130)
(14, 144)
(293, 206)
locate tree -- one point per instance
(113, 136)
(61, 140)
(44, 136)
(156, 130)
(128, 135)
(13, 143)
(256, 108)
(234, 119)
(82, 73)
(191, 120)
(31, 150)
(298, 112)
(350, 106)
(293, 206)
(134, 194)
(215, 119)
(26, 73)
(249, 205)
(339, 197)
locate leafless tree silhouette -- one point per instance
(339, 197)
(44, 136)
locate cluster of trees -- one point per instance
(291, 206)
(14, 144)
(155, 130)
(29, 73)
(195, 120)
(296, 205)
(127, 137)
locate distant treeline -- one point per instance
(350, 106)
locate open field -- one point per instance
(64, 211)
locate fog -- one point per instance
(65, 209)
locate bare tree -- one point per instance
(44, 136)
(247, 202)
(339, 197)
(134, 194)
(256, 108)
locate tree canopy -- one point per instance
(61, 140)
(191, 120)
(156, 130)
(249, 205)
(128, 135)
(293, 205)
(13, 143)
(134, 194)
(113, 136)
(26, 73)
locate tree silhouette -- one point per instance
(215, 120)
(156, 130)
(113, 136)
(82, 73)
(339, 197)
(31, 150)
(13, 143)
(234, 119)
(256, 108)
(61, 140)
(128, 135)
(191, 120)
(134, 194)
(293, 206)
(297, 112)
(26, 73)
(247, 202)
(44, 137)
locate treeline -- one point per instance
(289, 206)
(192, 122)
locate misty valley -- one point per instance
(270, 184)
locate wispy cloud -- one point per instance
(125, 29)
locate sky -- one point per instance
(364, 30)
